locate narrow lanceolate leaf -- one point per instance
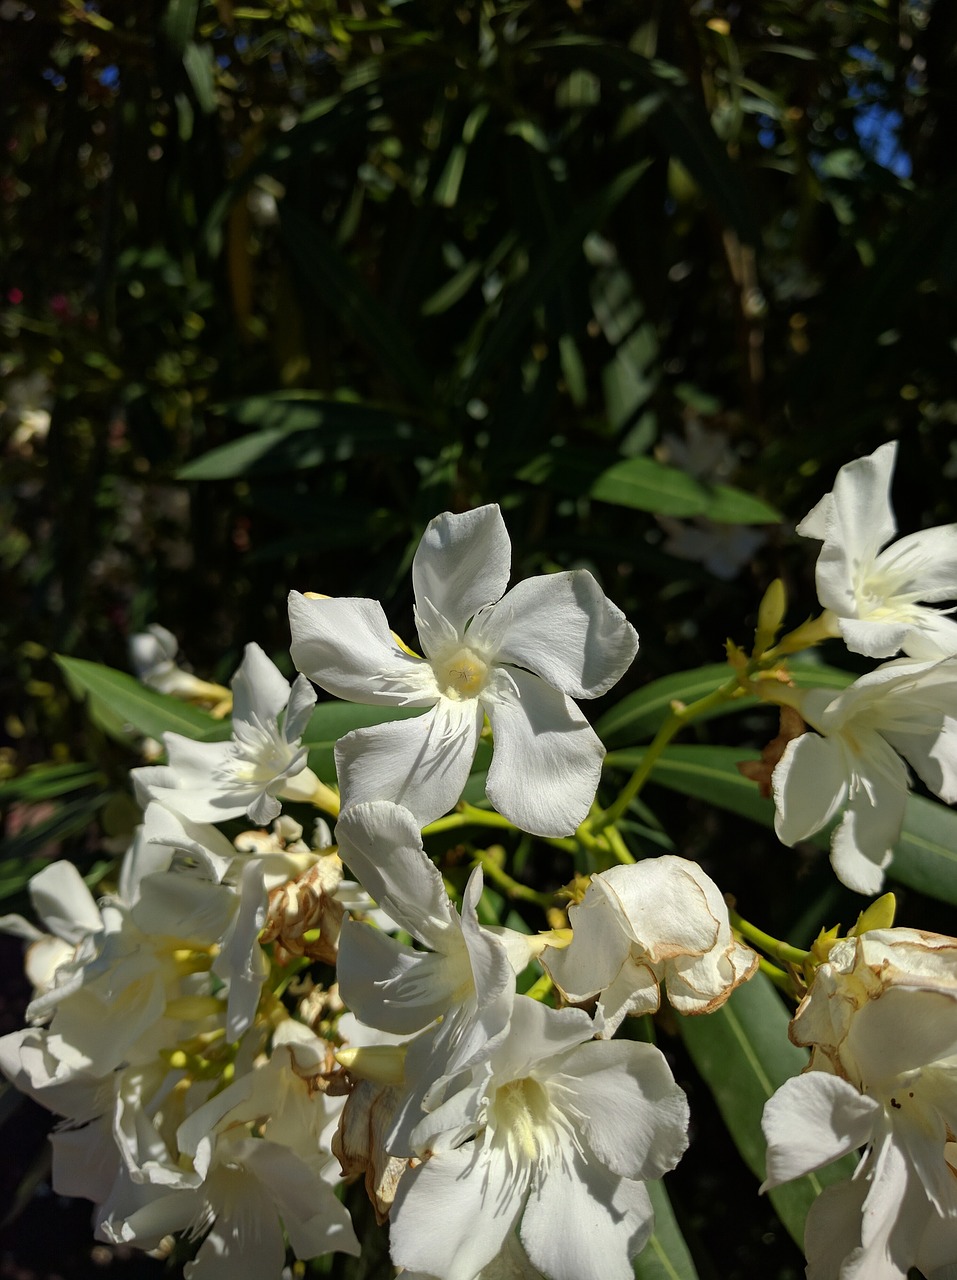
(640, 714)
(648, 485)
(925, 856)
(743, 1053)
(665, 1256)
(130, 703)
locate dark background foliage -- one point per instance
(280, 281)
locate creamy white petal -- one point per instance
(547, 760)
(422, 763)
(260, 690)
(462, 563)
(345, 646)
(389, 985)
(452, 1213)
(809, 784)
(863, 843)
(61, 899)
(584, 1223)
(812, 1120)
(563, 627)
(923, 563)
(380, 842)
(634, 1114)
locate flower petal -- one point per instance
(260, 690)
(380, 842)
(422, 764)
(547, 759)
(812, 1120)
(474, 1197)
(462, 563)
(863, 844)
(809, 783)
(584, 1223)
(563, 627)
(345, 646)
(634, 1114)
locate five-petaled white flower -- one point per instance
(902, 708)
(875, 593)
(518, 657)
(881, 1021)
(213, 781)
(554, 1137)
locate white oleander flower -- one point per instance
(518, 657)
(658, 922)
(853, 760)
(464, 982)
(213, 781)
(554, 1137)
(881, 1021)
(153, 655)
(874, 589)
(59, 896)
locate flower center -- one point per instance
(462, 674)
(523, 1121)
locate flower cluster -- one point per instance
(235, 1016)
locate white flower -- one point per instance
(61, 899)
(659, 921)
(554, 1137)
(519, 658)
(881, 1020)
(466, 978)
(875, 593)
(212, 781)
(153, 654)
(903, 707)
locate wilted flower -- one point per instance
(881, 1021)
(660, 921)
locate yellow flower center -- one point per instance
(463, 674)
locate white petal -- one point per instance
(547, 759)
(260, 690)
(863, 844)
(833, 1228)
(925, 563)
(63, 902)
(873, 639)
(809, 785)
(422, 764)
(563, 627)
(452, 1214)
(584, 1223)
(345, 646)
(812, 1120)
(634, 1115)
(380, 842)
(302, 699)
(462, 563)
(389, 985)
(597, 950)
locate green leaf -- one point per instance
(198, 61)
(331, 278)
(545, 276)
(46, 782)
(665, 1256)
(645, 484)
(640, 714)
(131, 703)
(20, 854)
(925, 856)
(677, 117)
(743, 1053)
(298, 431)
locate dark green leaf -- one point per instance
(145, 711)
(665, 1256)
(743, 1053)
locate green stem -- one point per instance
(782, 951)
(675, 721)
(777, 976)
(511, 888)
(469, 816)
(618, 846)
